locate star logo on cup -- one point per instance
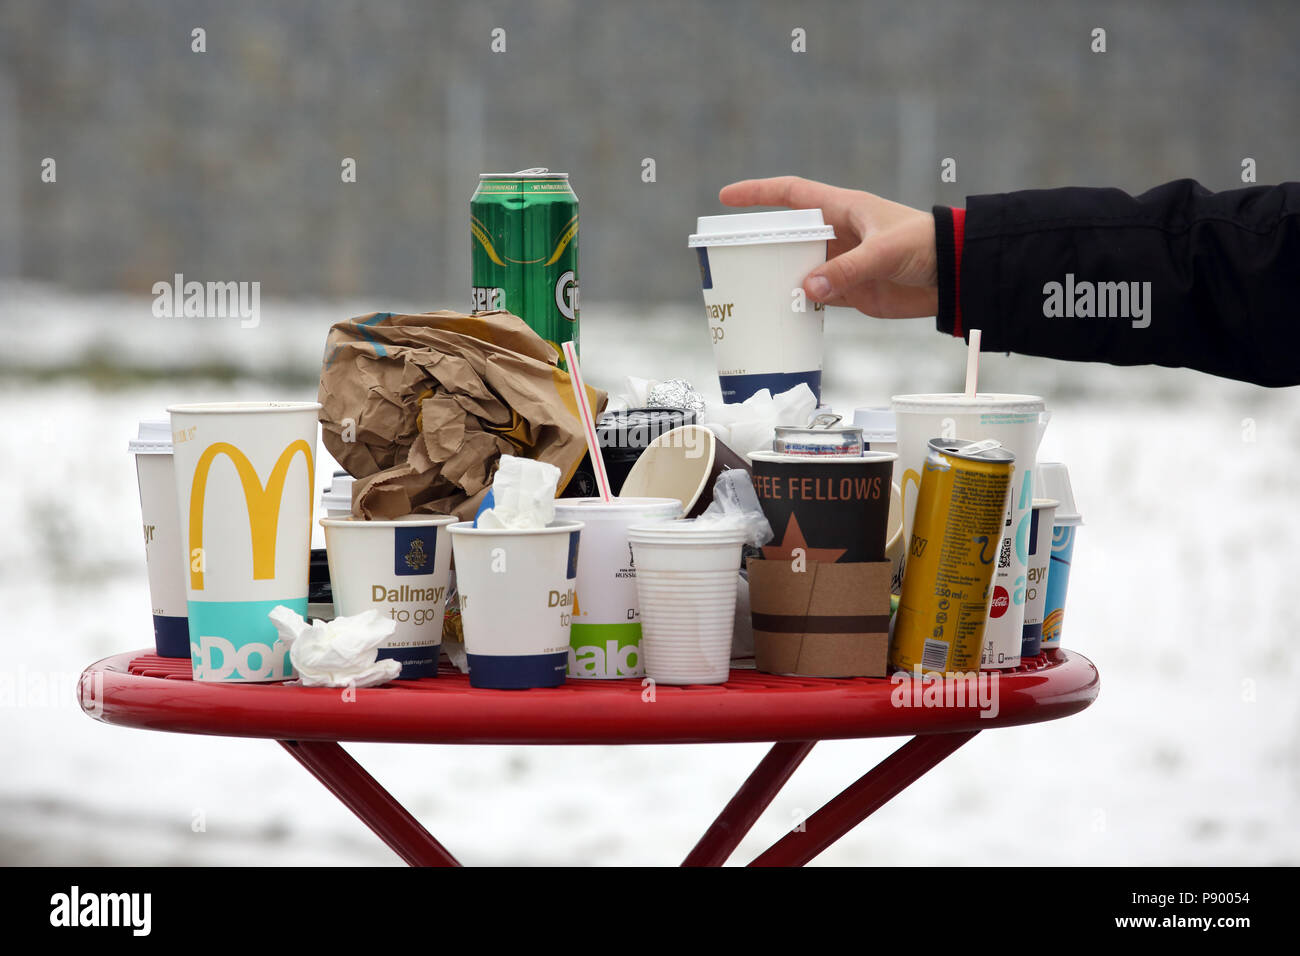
(794, 538)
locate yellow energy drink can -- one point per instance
(951, 557)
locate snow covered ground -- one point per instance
(1181, 594)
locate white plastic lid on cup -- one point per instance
(337, 498)
(1052, 480)
(757, 228)
(956, 402)
(153, 438)
(878, 423)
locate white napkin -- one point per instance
(339, 653)
(750, 426)
(523, 495)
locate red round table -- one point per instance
(143, 690)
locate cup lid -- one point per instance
(338, 496)
(958, 402)
(153, 438)
(877, 422)
(1052, 480)
(618, 505)
(756, 228)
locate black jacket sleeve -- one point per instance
(1177, 276)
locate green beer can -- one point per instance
(524, 251)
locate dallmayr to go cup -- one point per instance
(752, 267)
(605, 640)
(1040, 553)
(245, 476)
(401, 569)
(517, 592)
(1018, 422)
(164, 556)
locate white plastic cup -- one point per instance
(686, 582)
(605, 639)
(245, 476)
(164, 556)
(1018, 422)
(766, 334)
(517, 591)
(1040, 554)
(401, 569)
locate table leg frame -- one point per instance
(859, 800)
(393, 824)
(373, 805)
(753, 797)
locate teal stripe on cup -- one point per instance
(236, 641)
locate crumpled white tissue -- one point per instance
(339, 653)
(750, 426)
(523, 495)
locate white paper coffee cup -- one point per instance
(686, 581)
(164, 556)
(1018, 422)
(245, 476)
(401, 569)
(766, 334)
(605, 640)
(517, 592)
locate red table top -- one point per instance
(143, 690)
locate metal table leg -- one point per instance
(858, 801)
(753, 797)
(374, 806)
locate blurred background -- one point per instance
(127, 156)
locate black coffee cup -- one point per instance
(835, 508)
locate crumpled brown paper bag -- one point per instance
(430, 402)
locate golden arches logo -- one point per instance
(263, 502)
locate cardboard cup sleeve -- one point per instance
(821, 620)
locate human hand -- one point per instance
(882, 260)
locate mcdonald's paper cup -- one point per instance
(1018, 422)
(1053, 481)
(164, 556)
(401, 569)
(1040, 552)
(686, 583)
(752, 267)
(517, 594)
(605, 641)
(245, 475)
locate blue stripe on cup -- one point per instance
(171, 635)
(419, 661)
(572, 571)
(517, 671)
(706, 274)
(413, 550)
(737, 388)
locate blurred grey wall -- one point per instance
(226, 164)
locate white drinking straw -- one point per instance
(972, 363)
(588, 420)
